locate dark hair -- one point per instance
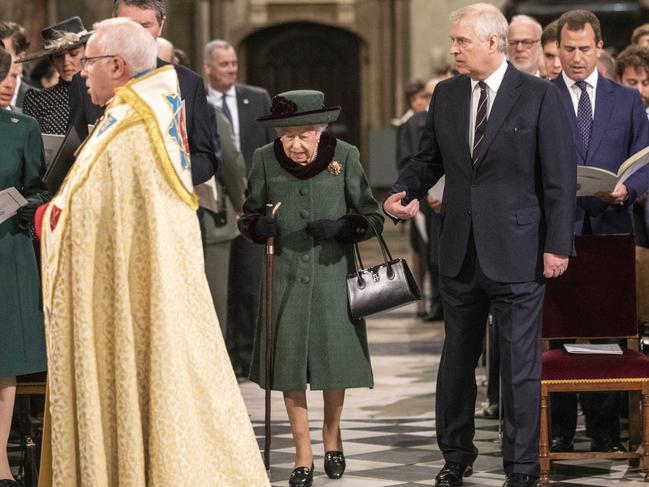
(577, 20)
(181, 57)
(550, 33)
(43, 69)
(18, 34)
(5, 64)
(412, 88)
(633, 56)
(158, 6)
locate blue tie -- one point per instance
(480, 121)
(584, 115)
(226, 110)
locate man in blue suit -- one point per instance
(503, 141)
(609, 124)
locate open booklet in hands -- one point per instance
(592, 180)
(10, 201)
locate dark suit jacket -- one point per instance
(408, 136)
(252, 103)
(519, 200)
(201, 124)
(620, 129)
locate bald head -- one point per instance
(165, 49)
(524, 43)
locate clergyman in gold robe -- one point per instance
(141, 391)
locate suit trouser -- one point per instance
(217, 264)
(246, 262)
(518, 307)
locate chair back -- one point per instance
(596, 296)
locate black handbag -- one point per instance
(382, 287)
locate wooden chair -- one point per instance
(595, 298)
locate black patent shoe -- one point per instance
(520, 480)
(9, 483)
(492, 411)
(561, 444)
(300, 477)
(607, 445)
(334, 464)
(451, 474)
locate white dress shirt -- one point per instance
(14, 99)
(493, 82)
(575, 91)
(216, 98)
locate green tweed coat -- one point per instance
(317, 341)
(22, 342)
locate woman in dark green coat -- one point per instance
(22, 342)
(327, 205)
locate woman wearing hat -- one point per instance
(327, 204)
(64, 45)
(22, 342)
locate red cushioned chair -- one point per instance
(595, 298)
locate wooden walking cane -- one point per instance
(270, 336)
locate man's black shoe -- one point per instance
(451, 474)
(607, 445)
(520, 480)
(561, 444)
(492, 411)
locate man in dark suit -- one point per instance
(242, 105)
(201, 124)
(503, 142)
(609, 124)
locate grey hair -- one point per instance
(139, 52)
(487, 20)
(321, 127)
(526, 19)
(211, 46)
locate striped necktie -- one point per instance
(480, 122)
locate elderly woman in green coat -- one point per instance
(22, 342)
(327, 205)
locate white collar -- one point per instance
(218, 94)
(495, 79)
(591, 80)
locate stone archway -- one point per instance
(309, 55)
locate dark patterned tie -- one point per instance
(584, 115)
(224, 107)
(480, 121)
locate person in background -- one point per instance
(64, 45)
(640, 36)
(551, 51)
(609, 124)
(242, 104)
(633, 71)
(14, 37)
(165, 50)
(327, 205)
(22, 347)
(524, 44)
(417, 100)
(606, 65)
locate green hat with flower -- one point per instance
(297, 108)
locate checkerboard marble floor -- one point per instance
(389, 431)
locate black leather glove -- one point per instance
(266, 227)
(26, 213)
(322, 230)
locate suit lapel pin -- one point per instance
(246, 101)
(14, 120)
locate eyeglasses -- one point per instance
(86, 62)
(526, 43)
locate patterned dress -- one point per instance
(51, 107)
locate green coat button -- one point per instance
(304, 214)
(306, 258)
(306, 280)
(304, 191)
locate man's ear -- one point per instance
(162, 24)
(119, 69)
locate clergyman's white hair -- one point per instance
(486, 20)
(129, 40)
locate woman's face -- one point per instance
(68, 63)
(7, 88)
(300, 143)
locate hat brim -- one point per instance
(43, 53)
(315, 117)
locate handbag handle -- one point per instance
(387, 257)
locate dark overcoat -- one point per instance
(317, 341)
(22, 342)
